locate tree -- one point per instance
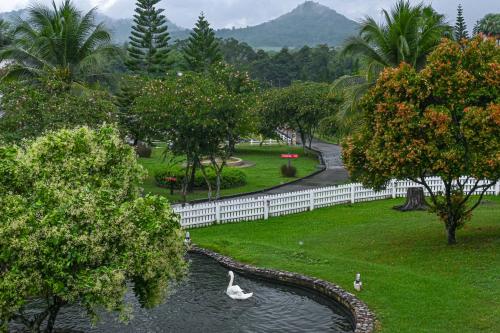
(489, 26)
(132, 124)
(148, 47)
(5, 34)
(200, 116)
(409, 34)
(443, 121)
(202, 49)
(58, 41)
(460, 26)
(301, 106)
(75, 229)
(31, 110)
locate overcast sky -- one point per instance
(241, 13)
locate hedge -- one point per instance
(230, 178)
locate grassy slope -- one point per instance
(265, 173)
(413, 281)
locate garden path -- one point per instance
(334, 173)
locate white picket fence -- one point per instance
(247, 209)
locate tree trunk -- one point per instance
(451, 234)
(415, 200)
(54, 310)
(192, 179)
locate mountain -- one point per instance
(309, 24)
(120, 28)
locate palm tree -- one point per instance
(489, 26)
(58, 41)
(408, 34)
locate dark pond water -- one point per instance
(199, 304)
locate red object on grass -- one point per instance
(289, 156)
(171, 179)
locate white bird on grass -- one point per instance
(358, 285)
(235, 292)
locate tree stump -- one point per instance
(415, 200)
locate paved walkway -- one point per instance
(334, 174)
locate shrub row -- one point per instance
(230, 178)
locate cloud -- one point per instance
(240, 13)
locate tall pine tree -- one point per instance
(460, 26)
(148, 47)
(202, 49)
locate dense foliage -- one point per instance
(29, 110)
(443, 121)
(202, 48)
(75, 229)
(59, 41)
(148, 46)
(200, 115)
(301, 106)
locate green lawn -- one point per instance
(413, 281)
(265, 173)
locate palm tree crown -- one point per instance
(59, 40)
(408, 34)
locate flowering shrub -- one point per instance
(443, 121)
(74, 228)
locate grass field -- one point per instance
(265, 173)
(413, 281)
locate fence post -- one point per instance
(217, 212)
(352, 192)
(394, 184)
(311, 200)
(497, 188)
(266, 208)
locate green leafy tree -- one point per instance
(301, 106)
(148, 47)
(409, 34)
(75, 229)
(200, 115)
(443, 121)
(460, 26)
(59, 41)
(30, 110)
(202, 49)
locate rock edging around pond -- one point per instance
(363, 318)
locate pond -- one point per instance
(199, 304)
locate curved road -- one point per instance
(334, 174)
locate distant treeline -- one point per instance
(281, 68)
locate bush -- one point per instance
(74, 228)
(231, 178)
(288, 171)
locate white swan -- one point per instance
(235, 292)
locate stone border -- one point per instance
(363, 318)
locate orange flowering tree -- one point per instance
(442, 121)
